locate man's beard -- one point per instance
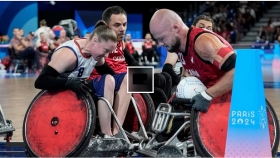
(120, 37)
(175, 45)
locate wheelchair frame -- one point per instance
(160, 123)
(144, 142)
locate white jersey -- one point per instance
(84, 66)
(47, 31)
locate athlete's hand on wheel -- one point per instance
(201, 101)
(78, 86)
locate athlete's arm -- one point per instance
(62, 60)
(211, 49)
(171, 59)
(129, 58)
(103, 68)
(169, 63)
(24, 43)
(17, 47)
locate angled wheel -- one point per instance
(56, 124)
(209, 130)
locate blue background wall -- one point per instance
(18, 14)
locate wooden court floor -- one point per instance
(16, 93)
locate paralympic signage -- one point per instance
(248, 134)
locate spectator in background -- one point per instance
(237, 17)
(15, 36)
(48, 32)
(45, 48)
(149, 49)
(225, 33)
(269, 31)
(130, 47)
(276, 34)
(3, 38)
(24, 48)
(278, 39)
(276, 22)
(252, 13)
(21, 31)
(233, 35)
(261, 34)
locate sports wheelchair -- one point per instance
(57, 124)
(204, 134)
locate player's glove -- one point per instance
(78, 86)
(201, 101)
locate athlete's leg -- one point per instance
(122, 100)
(104, 87)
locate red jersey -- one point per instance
(129, 47)
(208, 73)
(115, 60)
(44, 47)
(148, 44)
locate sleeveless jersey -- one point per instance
(84, 65)
(208, 73)
(148, 44)
(129, 47)
(115, 60)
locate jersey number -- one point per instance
(80, 72)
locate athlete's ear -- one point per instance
(176, 28)
(94, 39)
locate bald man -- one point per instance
(172, 65)
(202, 53)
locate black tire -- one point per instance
(158, 97)
(151, 114)
(274, 148)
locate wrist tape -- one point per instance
(206, 95)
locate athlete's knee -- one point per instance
(109, 83)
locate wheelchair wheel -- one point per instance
(56, 124)
(146, 109)
(209, 130)
(158, 97)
